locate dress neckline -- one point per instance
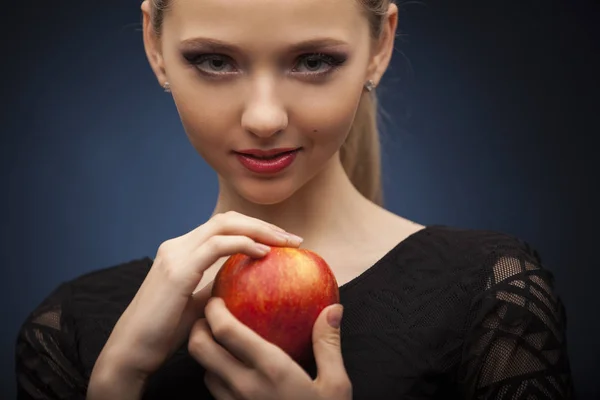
(391, 253)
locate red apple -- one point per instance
(279, 296)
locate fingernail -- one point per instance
(334, 316)
(284, 237)
(263, 248)
(295, 240)
(290, 239)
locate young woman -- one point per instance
(278, 97)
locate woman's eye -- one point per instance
(319, 64)
(213, 64)
(312, 64)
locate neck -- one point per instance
(329, 206)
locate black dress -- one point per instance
(447, 314)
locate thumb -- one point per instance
(327, 346)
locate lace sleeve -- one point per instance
(515, 347)
(46, 366)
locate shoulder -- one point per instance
(60, 338)
(504, 273)
(495, 269)
(99, 293)
(500, 263)
(113, 286)
(477, 240)
(485, 264)
(107, 285)
(95, 296)
(479, 249)
(461, 258)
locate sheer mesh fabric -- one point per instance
(45, 350)
(447, 314)
(517, 342)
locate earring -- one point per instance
(167, 87)
(370, 85)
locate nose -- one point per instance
(265, 114)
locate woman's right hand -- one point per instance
(160, 316)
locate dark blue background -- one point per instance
(492, 115)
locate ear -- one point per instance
(384, 45)
(152, 45)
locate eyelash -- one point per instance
(334, 61)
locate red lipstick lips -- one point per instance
(267, 161)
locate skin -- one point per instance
(261, 96)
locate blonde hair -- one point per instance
(361, 153)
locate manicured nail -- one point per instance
(295, 240)
(288, 238)
(263, 248)
(334, 316)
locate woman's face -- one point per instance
(252, 75)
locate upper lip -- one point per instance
(266, 153)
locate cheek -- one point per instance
(325, 120)
(197, 110)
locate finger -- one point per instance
(239, 339)
(212, 355)
(224, 246)
(217, 387)
(233, 223)
(327, 349)
(186, 276)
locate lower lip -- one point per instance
(267, 166)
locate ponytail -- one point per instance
(361, 153)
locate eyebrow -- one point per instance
(214, 45)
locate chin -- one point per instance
(266, 192)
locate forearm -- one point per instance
(111, 382)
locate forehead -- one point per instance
(269, 20)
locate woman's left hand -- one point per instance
(241, 365)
